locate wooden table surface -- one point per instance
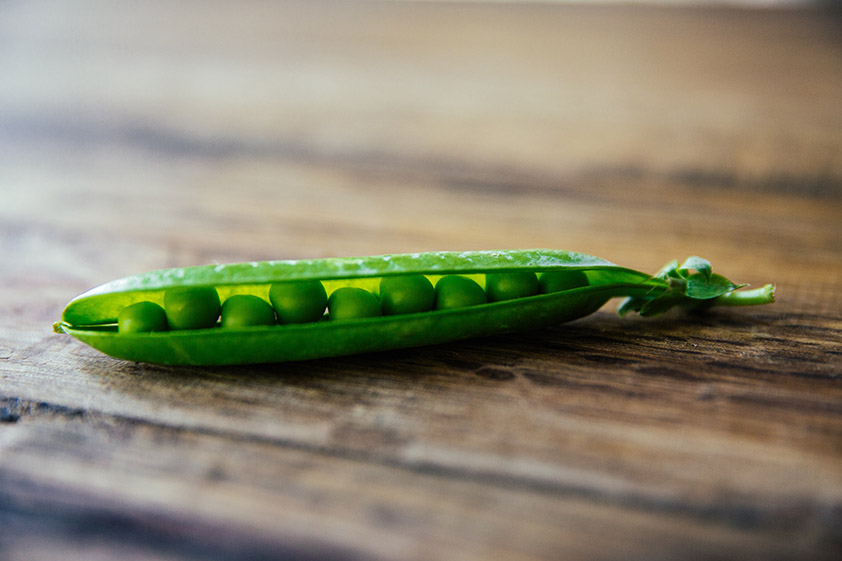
(144, 135)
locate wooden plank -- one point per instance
(298, 499)
(721, 96)
(260, 131)
(647, 429)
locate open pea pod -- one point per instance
(92, 317)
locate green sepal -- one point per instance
(700, 265)
(702, 287)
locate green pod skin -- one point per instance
(409, 294)
(456, 291)
(352, 303)
(298, 301)
(507, 286)
(244, 310)
(92, 317)
(191, 307)
(142, 317)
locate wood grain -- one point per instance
(135, 137)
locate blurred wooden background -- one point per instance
(136, 136)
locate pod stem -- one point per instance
(754, 297)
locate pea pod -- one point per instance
(92, 317)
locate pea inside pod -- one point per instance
(475, 294)
(556, 281)
(351, 302)
(406, 294)
(244, 310)
(456, 291)
(506, 286)
(298, 301)
(142, 317)
(191, 307)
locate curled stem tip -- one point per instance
(753, 297)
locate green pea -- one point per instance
(142, 317)
(406, 294)
(507, 286)
(298, 301)
(243, 310)
(454, 291)
(191, 307)
(556, 281)
(351, 302)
